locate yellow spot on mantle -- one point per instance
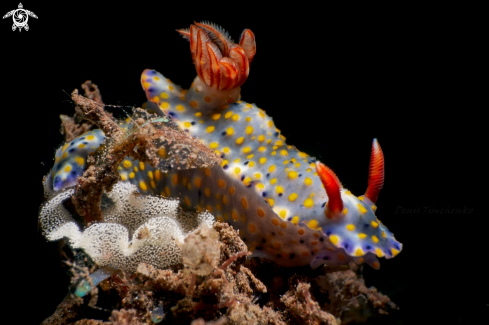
(313, 224)
(221, 183)
(260, 212)
(334, 239)
(198, 182)
(292, 174)
(162, 152)
(293, 197)
(143, 186)
(244, 203)
(361, 208)
(308, 203)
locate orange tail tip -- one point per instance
(332, 186)
(376, 172)
(220, 63)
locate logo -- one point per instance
(20, 17)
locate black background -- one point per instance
(332, 78)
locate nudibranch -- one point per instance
(288, 206)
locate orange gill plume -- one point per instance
(332, 186)
(219, 62)
(376, 172)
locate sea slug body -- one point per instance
(287, 206)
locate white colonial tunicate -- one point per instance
(136, 228)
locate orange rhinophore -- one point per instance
(375, 173)
(332, 186)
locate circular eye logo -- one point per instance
(20, 17)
